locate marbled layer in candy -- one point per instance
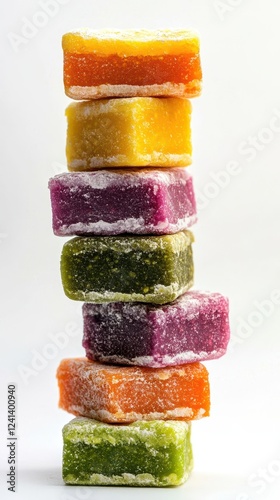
(130, 132)
(131, 63)
(195, 327)
(127, 268)
(155, 453)
(115, 201)
(129, 393)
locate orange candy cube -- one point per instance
(131, 64)
(128, 393)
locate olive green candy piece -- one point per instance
(155, 269)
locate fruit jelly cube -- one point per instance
(127, 268)
(125, 394)
(132, 132)
(195, 327)
(115, 201)
(155, 453)
(131, 63)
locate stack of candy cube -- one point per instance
(129, 203)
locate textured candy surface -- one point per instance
(127, 268)
(115, 201)
(131, 132)
(195, 327)
(128, 393)
(131, 63)
(155, 453)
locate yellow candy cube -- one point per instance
(135, 132)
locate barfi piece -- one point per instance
(153, 453)
(135, 132)
(132, 200)
(128, 393)
(195, 327)
(127, 268)
(131, 63)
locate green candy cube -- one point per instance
(154, 453)
(127, 268)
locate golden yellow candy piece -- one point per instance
(127, 132)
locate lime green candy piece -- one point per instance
(154, 453)
(127, 268)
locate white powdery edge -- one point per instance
(166, 360)
(191, 89)
(128, 434)
(102, 179)
(144, 479)
(157, 159)
(119, 416)
(134, 35)
(107, 296)
(105, 106)
(131, 225)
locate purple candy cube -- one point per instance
(115, 201)
(194, 327)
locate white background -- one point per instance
(236, 125)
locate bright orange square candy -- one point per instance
(128, 393)
(131, 63)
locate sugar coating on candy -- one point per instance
(131, 42)
(129, 132)
(139, 201)
(127, 268)
(155, 453)
(125, 394)
(131, 63)
(194, 327)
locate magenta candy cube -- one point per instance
(110, 202)
(194, 327)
